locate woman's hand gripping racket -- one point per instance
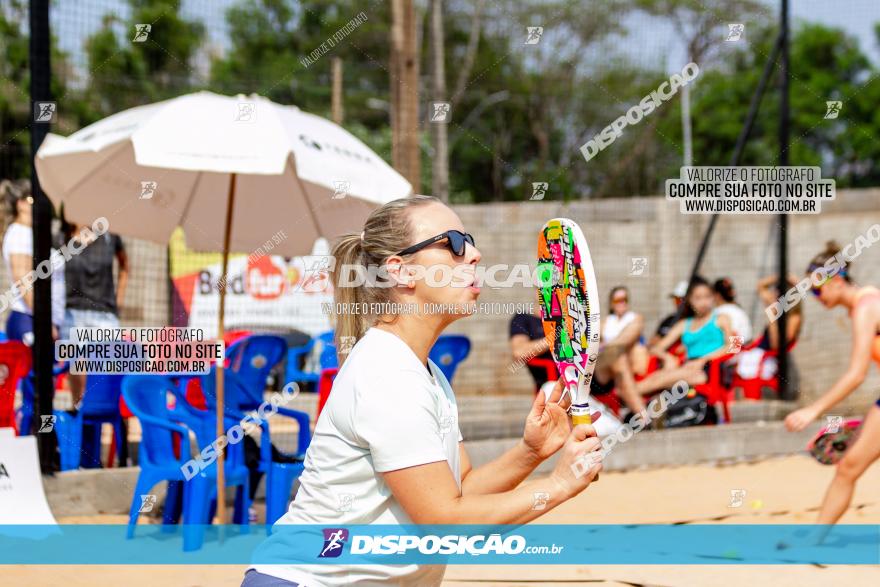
(569, 299)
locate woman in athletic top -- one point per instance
(703, 336)
(387, 448)
(863, 305)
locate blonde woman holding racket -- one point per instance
(388, 436)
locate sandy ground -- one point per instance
(778, 491)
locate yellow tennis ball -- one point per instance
(757, 504)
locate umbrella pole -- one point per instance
(221, 429)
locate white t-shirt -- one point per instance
(739, 320)
(385, 412)
(614, 325)
(19, 240)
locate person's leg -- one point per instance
(857, 459)
(76, 383)
(666, 378)
(626, 384)
(639, 359)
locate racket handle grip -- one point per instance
(580, 415)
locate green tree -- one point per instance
(124, 73)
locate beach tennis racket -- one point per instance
(830, 444)
(569, 300)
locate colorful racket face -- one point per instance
(828, 447)
(569, 301)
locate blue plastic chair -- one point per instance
(327, 359)
(79, 437)
(146, 397)
(280, 476)
(252, 359)
(449, 351)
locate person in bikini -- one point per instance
(863, 305)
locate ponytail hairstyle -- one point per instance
(387, 231)
(724, 288)
(831, 250)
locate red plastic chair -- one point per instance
(325, 384)
(752, 388)
(15, 363)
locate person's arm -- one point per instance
(631, 333)
(792, 327)
(864, 322)
(502, 474)
(546, 429)
(525, 349)
(429, 494)
(21, 265)
(660, 349)
(122, 259)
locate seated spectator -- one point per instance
(622, 355)
(704, 336)
(677, 295)
(527, 342)
(748, 360)
(725, 298)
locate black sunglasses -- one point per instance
(455, 240)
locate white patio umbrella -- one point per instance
(201, 160)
